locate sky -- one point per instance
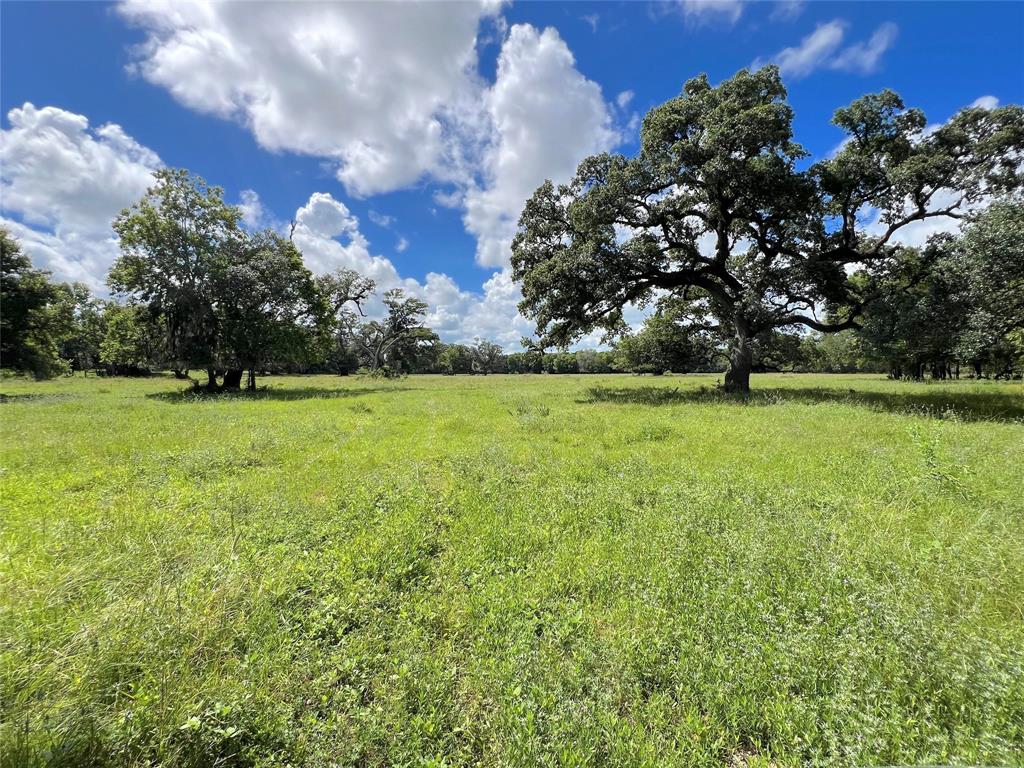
(403, 139)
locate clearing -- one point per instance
(512, 570)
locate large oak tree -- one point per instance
(717, 208)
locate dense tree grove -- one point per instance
(716, 210)
(747, 261)
(36, 315)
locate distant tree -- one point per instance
(454, 359)
(339, 289)
(133, 340)
(486, 356)
(841, 352)
(719, 164)
(380, 343)
(81, 349)
(561, 362)
(414, 353)
(918, 312)
(229, 300)
(989, 262)
(174, 243)
(521, 362)
(36, 314)
(776, 350)
(534, 351)
(673, 339)
(603, 362)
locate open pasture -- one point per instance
(528, 570)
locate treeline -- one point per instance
(198, 292)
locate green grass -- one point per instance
(514, 571)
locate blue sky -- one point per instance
(404, 139)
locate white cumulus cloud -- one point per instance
(367, 85)
(545, 117)
(328, 236)
(391, 93)
(61, 184)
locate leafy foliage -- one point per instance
(133, 339)
(487, 357)
(719, 164)
(37, 316)
(670, 341)
(389, 345)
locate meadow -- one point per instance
(512, 571)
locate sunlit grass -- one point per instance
(532, 570)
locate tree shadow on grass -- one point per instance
(939, 404)
(276, 394)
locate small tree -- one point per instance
(486, 356)
(380, 343)
(81, 349)
(534, 350)
(989, 260)
(339, 289)
(271, 311)
(455, 359)
(672, 339)
(918, 313)
(133, 341)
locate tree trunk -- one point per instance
(233, 379)
(211, 381)
(737, 377)
(251, 383)
(180, 374)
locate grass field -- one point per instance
(514, 571)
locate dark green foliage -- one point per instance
(487, 357)
(989, 260)
(393, 345)
(228, 299)
(37, 315)
(672, 339)
(81, 349)
(561, 362)
(841, 352)
(174, 245)
(592, 361)
(914, 321)
(719, 164)
(271, 310)
(455, 359)
(957, 302)
(133, 341)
